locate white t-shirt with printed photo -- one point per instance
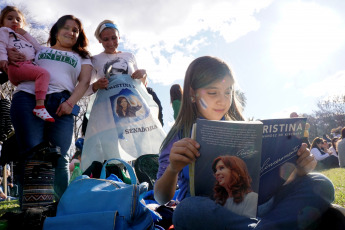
(119, 63)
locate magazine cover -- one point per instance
(281, 139)
(239, 144)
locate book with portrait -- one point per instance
(268, 148)
(281, 139)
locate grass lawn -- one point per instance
(9, 206)
(337, 176)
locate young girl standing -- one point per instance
(209, 93)
(13, 35)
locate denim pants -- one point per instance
(31, 131)
(295, 206)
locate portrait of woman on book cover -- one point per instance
(232, 188)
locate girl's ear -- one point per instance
(192, 95)
(191, 92)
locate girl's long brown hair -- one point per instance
(239, 183)
(175, 93)
(200, 73)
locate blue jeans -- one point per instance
(31, 131)
(295, 206)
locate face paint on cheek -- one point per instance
(203, 103)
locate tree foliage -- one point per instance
(329, 115)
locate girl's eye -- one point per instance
(212, 93)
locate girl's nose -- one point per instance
(222, 98)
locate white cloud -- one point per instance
(329, 86)
(285, 113)
(305, 36)
(156, 28)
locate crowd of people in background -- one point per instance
(325, 149)
(329, 151)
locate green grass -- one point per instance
(9, 206)
(337, 176)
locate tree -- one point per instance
(241, 98)
(330, 114)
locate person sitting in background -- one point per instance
(3, 196)
(333, 147)
(316, 149)
(319, 149)
(336, 132)
(341, 149)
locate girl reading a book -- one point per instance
(209, 94)
(233, 186)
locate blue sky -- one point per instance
(286, 54)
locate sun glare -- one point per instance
(305, 36)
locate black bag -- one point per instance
(146, 168)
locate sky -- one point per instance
(286, 54)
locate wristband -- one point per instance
(69, 104)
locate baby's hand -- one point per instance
(20, 31)
(3, 65)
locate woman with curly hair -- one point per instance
(232, 188)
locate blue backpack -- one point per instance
(90, 203)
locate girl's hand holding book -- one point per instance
(306, 161)
(183, 152)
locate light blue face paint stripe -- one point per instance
(203, 103)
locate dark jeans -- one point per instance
(296, 206)
(31, 131)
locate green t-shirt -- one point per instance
(176, 107)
